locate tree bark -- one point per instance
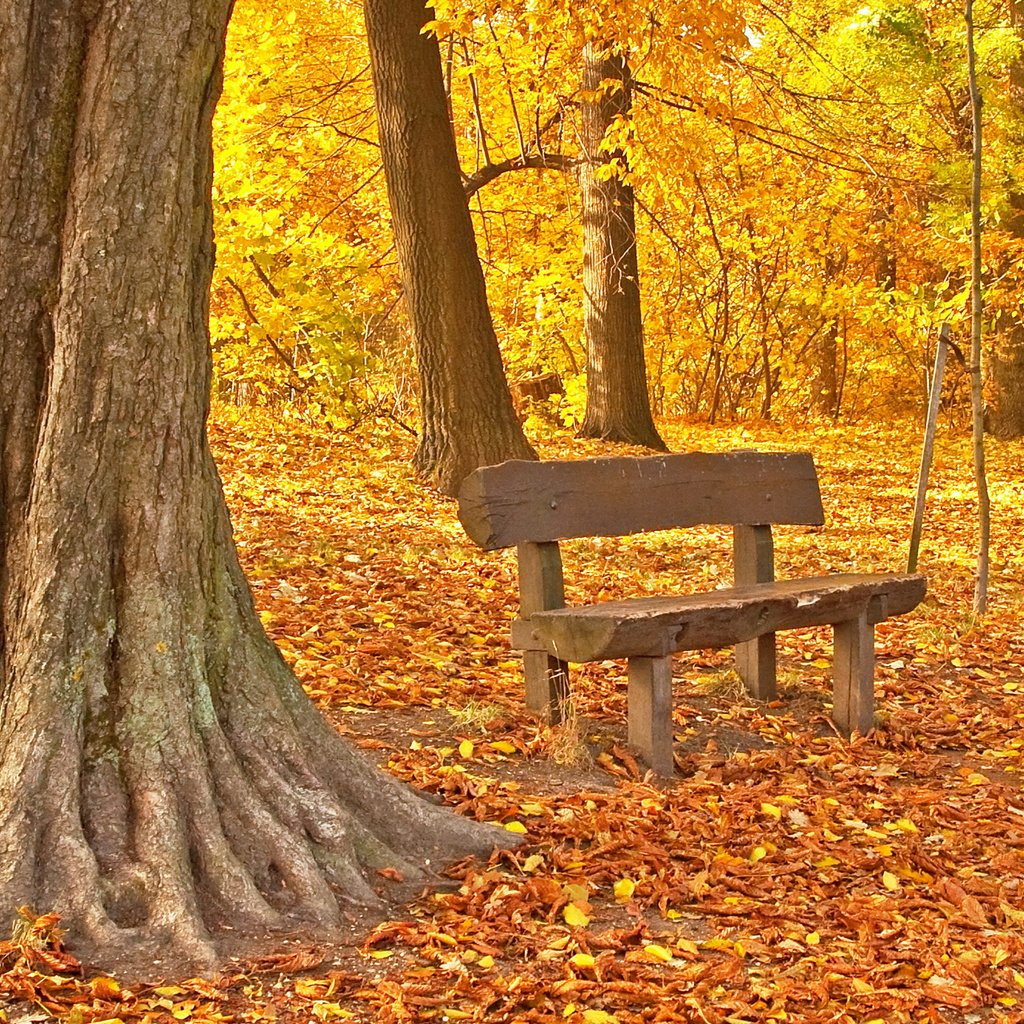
(468, 418)
(977, 313)
(1005, 412)
(618, 405)
(161, 771)
(825, 387)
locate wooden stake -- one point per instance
(928, 447)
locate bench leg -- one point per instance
(650, 711)
(755, 663)
(547, 685)
(853, 692)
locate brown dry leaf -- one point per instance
(292, 962)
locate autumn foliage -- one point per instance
(801, 178)
(785, 874)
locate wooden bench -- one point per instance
(534, 505)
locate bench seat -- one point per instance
(653, 627)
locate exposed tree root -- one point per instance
(190, 785)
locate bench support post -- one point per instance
(650, 711)
(541, 588)
(754, 562)
(853, 691)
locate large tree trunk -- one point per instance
(467, 413)
(1005, 413)
(618, 405)
(161, 772)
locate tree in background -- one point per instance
(466, 409)
(618, 406)
(1005, 412)
(161, 770)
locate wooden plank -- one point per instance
(541, 583)
(754, 562)
(541, 587)
(655, 626)
(649, 711)
(517, 501)
(547, 685)
(853, 687)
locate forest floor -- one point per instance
(785, 874)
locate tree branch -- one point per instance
(539, 161)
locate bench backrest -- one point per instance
(518, 502)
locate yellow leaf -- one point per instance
(381, 954)
(772, 811)
(599, 1017)
(105, 988)
(453, 1014)
(503, 747)
(718, 943)
(890, 881)
(574, 917)
(861, 986)
(515, 826)
(624, 889)
(812, 938)
(582, 960)
(1019, 978)
(905, 825)
(532, 862)
(330, 1011)
(687, 946)
(534, 810)
(466, 748)
(485, 962)
(656, 952)
(758, 853)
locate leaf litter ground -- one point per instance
(784, 875)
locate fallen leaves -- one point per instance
(784, 875)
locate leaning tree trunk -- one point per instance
(618, 405)
(161, 771)
(1005, 413)
(467, 414)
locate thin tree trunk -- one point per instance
(618, 405)
(466, 409)
(825, 382)
(1005, 412)
(977, 308)
(161, 771)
